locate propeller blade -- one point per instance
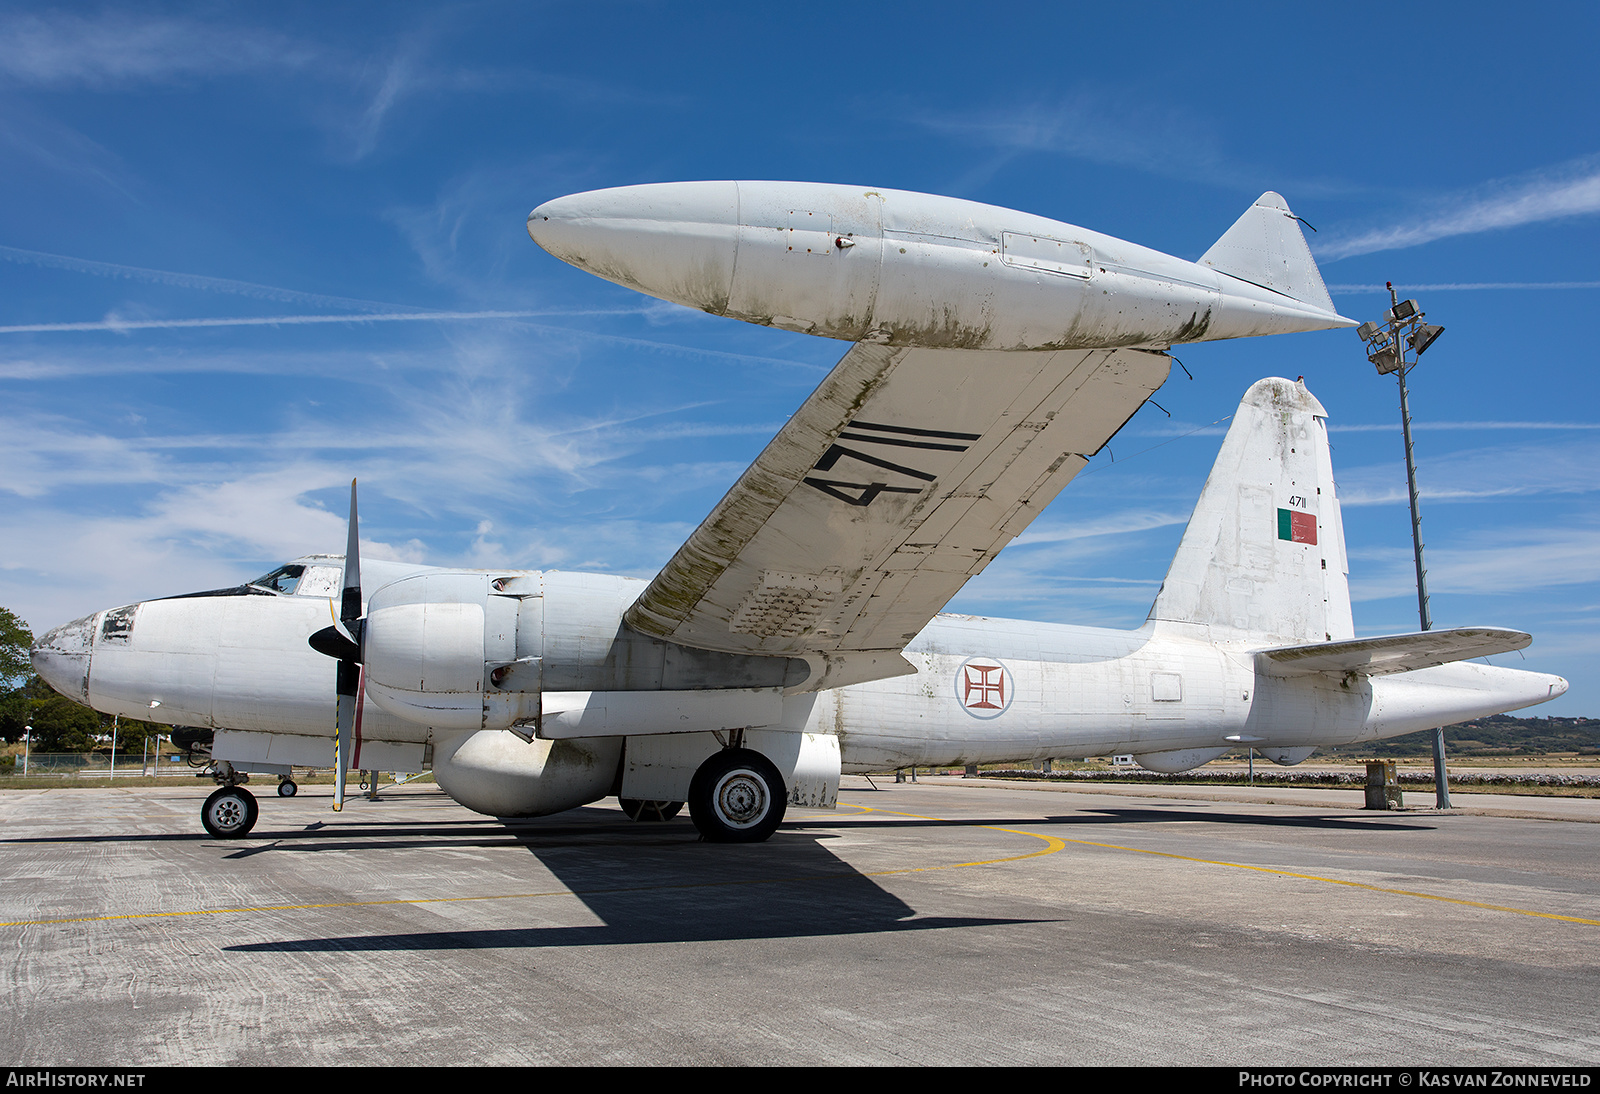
(347, 648)
(350, 597)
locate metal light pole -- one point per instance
(1403, 329)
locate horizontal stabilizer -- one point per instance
(1266, 248)
(1391, 653)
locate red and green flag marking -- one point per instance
(1297, 527)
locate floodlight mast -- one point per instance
(1387, 343)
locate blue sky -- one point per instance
(247, 253)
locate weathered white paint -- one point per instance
(1206, 671)
(903, 475)
(910, 269)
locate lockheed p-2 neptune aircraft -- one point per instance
(795, 635)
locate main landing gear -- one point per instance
(649, 810)
(737, 796)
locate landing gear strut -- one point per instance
(737, 796)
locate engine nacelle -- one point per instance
(437, 647)
(502, 775)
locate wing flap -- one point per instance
(899, 478)
(1390, 653)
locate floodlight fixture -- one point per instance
(1423, 337)
(1403, 311)
(1387, 350)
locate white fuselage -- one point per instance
(983, 690)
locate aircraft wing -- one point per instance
(899, 478)
(1391, 653)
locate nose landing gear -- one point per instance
(230, 812)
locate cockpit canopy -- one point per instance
(310, 577)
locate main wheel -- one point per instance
(640, 810)
(288, 788)
(230, 813)
(737, 796)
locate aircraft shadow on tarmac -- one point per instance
(656, 883)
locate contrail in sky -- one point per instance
(273, 321)
(193, 281)
(1452, 286)
(1569, 190)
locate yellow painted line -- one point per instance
(1053, 845)
(1255, 869)
(1348, 884)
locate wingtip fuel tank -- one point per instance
(903, 268)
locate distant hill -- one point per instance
(1498, 735)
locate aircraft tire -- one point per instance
(288, 788)
(737, 796)
(642, 810)
(230, 813)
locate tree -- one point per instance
(59, 724)
(15, 642)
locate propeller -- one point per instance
(343, 642)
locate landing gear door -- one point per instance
(659, 767)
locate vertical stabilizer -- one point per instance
(1267, 248)
(1263, 556)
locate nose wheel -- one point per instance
(230, 813)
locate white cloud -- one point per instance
(1464, 286)
(1504, 471)
(1091, 126)
(1567, 191)
(1491, 563)
(115, 323)
(63, 49)
(192, 281)
(1114, 524)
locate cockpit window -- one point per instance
(321, 581)
(117, 626)
(282, 580)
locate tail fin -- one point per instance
(1266, 247)
(1263, 556)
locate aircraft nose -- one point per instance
(61, 657)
